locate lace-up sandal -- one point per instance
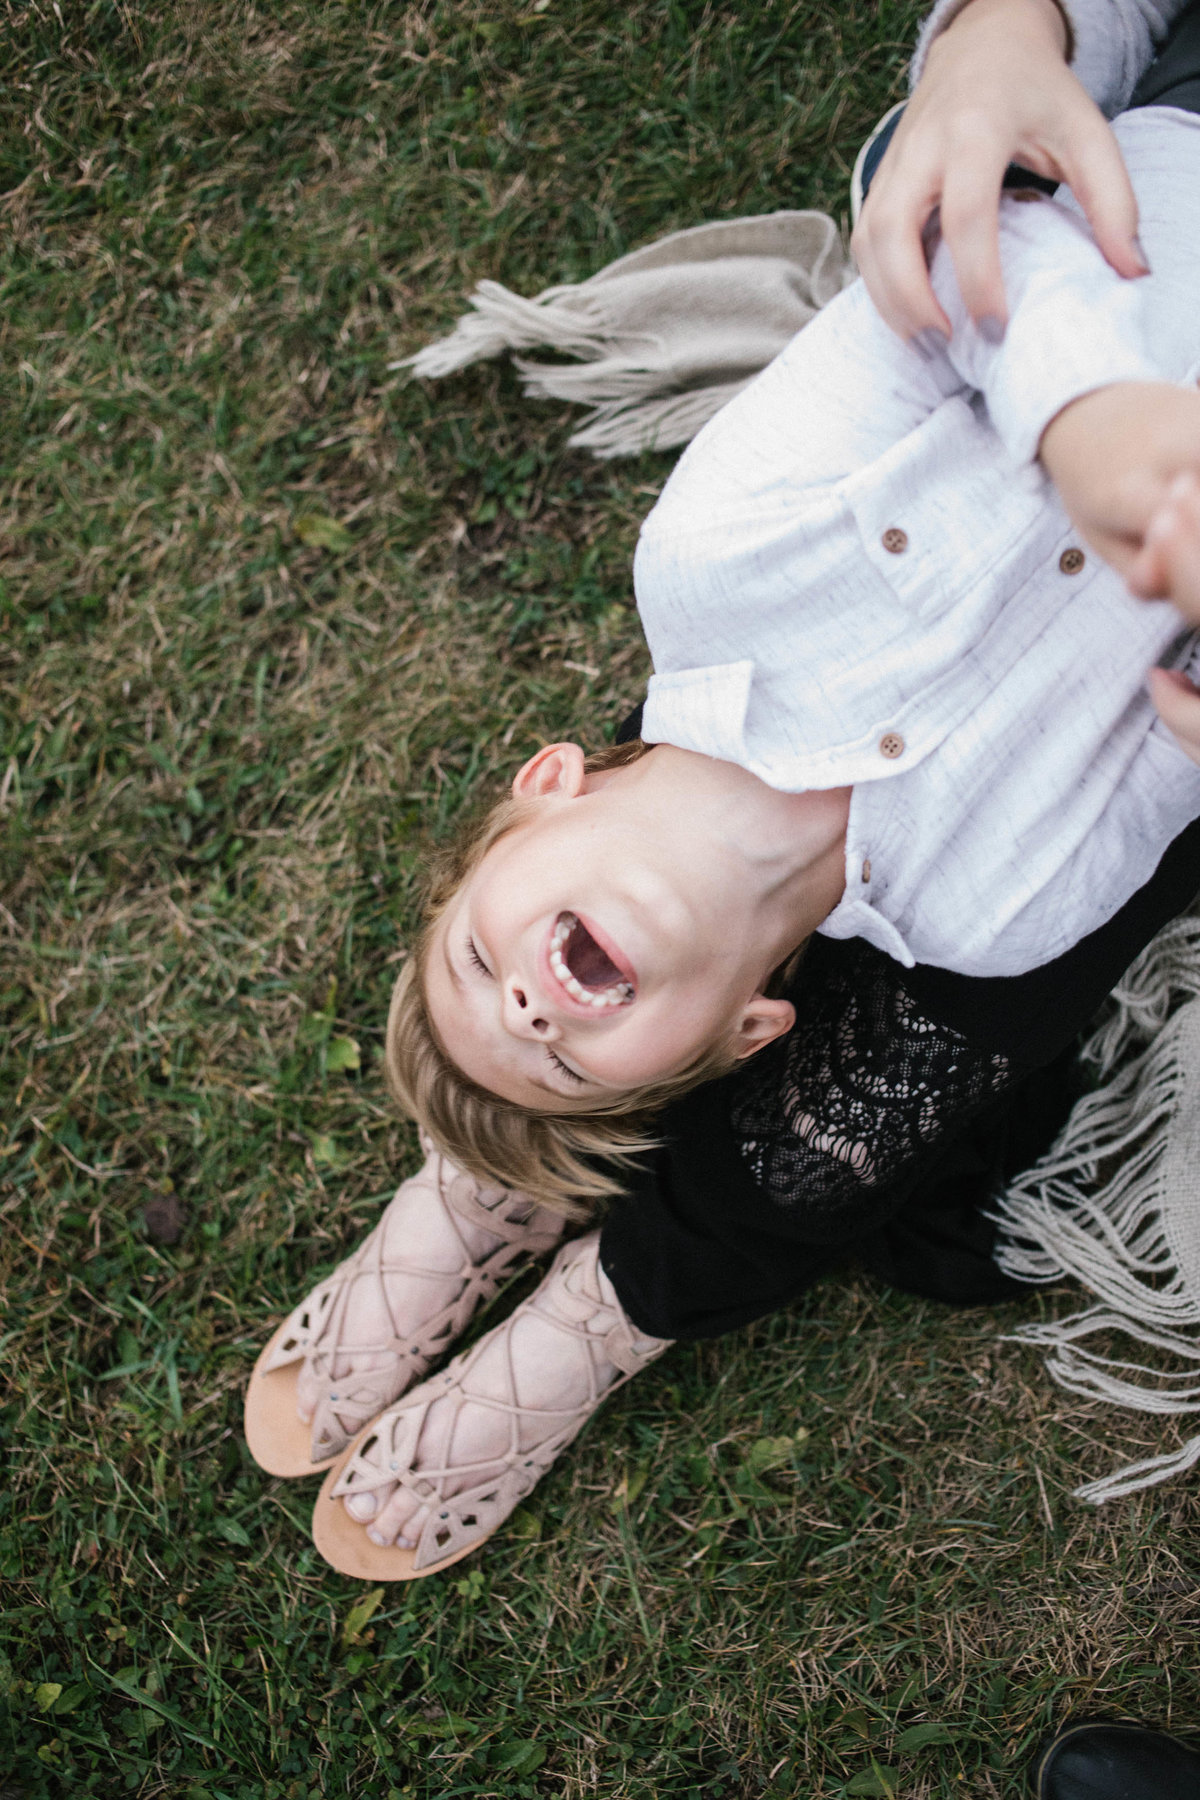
(321, 1329)
(599, 1340)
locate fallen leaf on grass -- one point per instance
(772, 1452)
(164, 1218)
(877, 1781)
(628, 1488)
(360, 1615)
(343, 1053)
(519, 1758)
(320, 532)
(917, 1736)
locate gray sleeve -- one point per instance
(1113, 42)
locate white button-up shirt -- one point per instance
(858, 575)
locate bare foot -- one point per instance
(493, 1422)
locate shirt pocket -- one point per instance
(942, 513)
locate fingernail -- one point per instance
(1142, 257)
(991, 329)
(930, 343)
(376, 1536)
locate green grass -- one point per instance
(228, 737)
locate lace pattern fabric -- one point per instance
(841, 1117)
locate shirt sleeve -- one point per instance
(1112, 42)
(1074, 324)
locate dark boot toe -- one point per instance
(1117, 1762)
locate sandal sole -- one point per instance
(344, 1543)
(276, 1436)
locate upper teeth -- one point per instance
(619, 994)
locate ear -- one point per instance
(556, 769)
(761, 1023)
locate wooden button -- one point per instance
(894, 541)
(891, 745)
(866, 868)
(1072, 560)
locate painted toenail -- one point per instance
(376, 1536)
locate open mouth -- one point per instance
(584, 968)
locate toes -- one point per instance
(307, 1393)
(396, 1519)
(361, 1507)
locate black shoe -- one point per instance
(1103, 1761)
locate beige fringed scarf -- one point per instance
(1116, 1205)
(664, 336)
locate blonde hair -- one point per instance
(553, 1157)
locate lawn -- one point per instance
(272, 617)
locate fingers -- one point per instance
(889, 250)
(1091, 164)
(971, 229)
(1168, 566)
(1177, 703)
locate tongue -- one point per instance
(588, 962)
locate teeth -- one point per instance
(621, 992)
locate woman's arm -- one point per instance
(992, 86)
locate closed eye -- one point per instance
(558, 1063)
(476, 959)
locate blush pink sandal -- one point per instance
(601, 1342)
(321, 1331)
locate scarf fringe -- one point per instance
(1103, 1207)
(629, 412)
(663, 337)
(1139, 1475)
(1166, 973)
(561, 319)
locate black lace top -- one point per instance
(846, 1109)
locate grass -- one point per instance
(272, 618)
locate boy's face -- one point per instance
(580, 960)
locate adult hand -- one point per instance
(995, 89)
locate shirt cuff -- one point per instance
(1074, 325)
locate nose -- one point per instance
(522, 1015)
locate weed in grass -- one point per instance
(272, 619)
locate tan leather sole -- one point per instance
(276, 1436)
(344, 1543)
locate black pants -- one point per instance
(880, 1130)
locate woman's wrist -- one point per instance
(1043, 19)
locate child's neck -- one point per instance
(777, 859)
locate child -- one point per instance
(961, 678)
